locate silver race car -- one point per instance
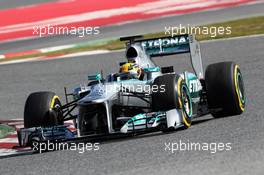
(141, 97)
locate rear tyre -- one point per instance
(42, 109)
(225, 89)
(173, 95)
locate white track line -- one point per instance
(9, 140)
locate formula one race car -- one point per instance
(141, 97)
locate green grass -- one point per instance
(241, 27)
(5, 130)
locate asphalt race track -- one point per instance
(146, 154)
(156, 25)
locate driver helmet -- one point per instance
(132, 60)
(132, 69)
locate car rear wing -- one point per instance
(171, 45)
(165, 45)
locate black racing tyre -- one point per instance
(42, 109)
(173, 93)
(225, 89)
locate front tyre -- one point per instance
(175, 95)
(225, 89)
(42, 109)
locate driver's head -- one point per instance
(132, 69)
